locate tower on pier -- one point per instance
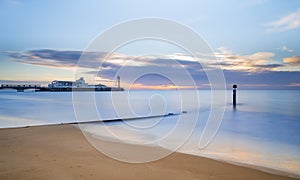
(118, 82)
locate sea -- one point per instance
(262, 131)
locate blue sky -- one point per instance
(258, 33)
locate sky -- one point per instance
(256, 42)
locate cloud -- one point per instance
(289, 22)
(294, 60)
(263, 80)
(256, 62)
(55, 58)
(70, 59)
(294, 84)
(45, 57)
(285, 48)
(257, 69)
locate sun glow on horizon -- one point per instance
(159, 87)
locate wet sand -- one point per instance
(62, 152)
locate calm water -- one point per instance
(264, 129)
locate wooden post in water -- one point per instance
(234, 95)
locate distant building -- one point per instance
(60, 84)
(80, 83)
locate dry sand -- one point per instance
(62, 152)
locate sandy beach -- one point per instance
(62, 152)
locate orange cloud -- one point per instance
(292, 60)
(256, 62)
(294, 84)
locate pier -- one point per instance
(39, 88)
(20, 87)
(64, 86)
